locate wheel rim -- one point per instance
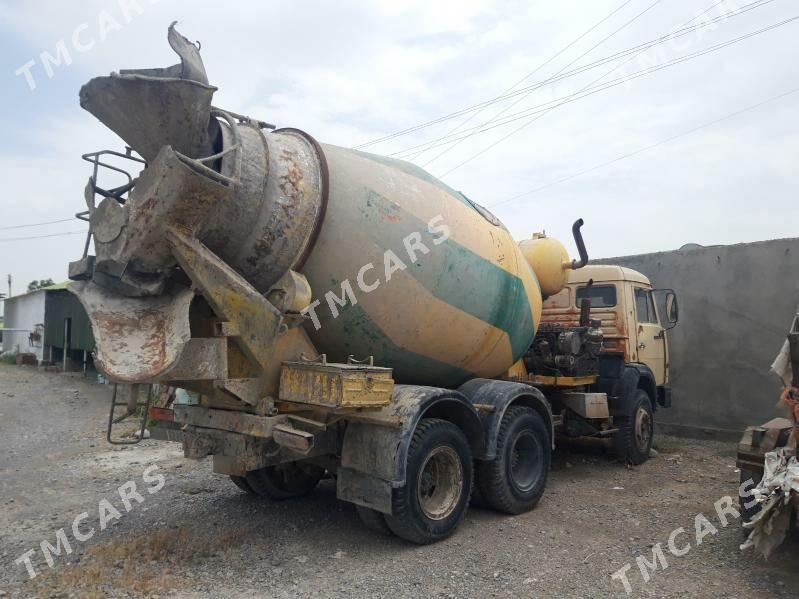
(525, 461)
(643, 428)
(440, 483)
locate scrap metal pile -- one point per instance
(777, 495)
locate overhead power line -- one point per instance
(49, 222)
(623, 80)
(42, 236)
(566, 66)
(645, 148)
(632, 53)
(466, 110)
(588, 91)
(528, 75)
(635, 51)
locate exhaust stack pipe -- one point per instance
(578, 239)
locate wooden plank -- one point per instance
(562, 381)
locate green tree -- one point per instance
(33, 285)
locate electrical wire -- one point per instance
(49, 222)
(591, 49)
(622, 80)
(42, 236)
(528, 75)
(645, 148)
(588, 91)
(635, 51)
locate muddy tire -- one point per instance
(515, 480)
(285, 481)
(242, 484)
(633, 442)
(373, 520)
(439, 478)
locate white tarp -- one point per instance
(782, 364)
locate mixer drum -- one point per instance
(401, 267)
(442, 292)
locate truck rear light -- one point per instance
(162, 414)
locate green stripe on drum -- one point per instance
(362, 338)
(455, 274)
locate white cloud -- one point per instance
(353, 70)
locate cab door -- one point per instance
(651, 340)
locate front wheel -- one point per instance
(633, 442)
(438, 483)
(515, 480)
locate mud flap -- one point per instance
(374, 453)
(363, 489)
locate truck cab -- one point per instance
(622, 362)
(625, 303)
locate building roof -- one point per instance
(605, 272)
(54, 287)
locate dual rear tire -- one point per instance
(284, 481)
(515, 480)
(441, 474)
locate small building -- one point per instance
(23, 323)
(51, 324)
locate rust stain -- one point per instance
(290, 181)
(116, 327)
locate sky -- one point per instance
(349, 72)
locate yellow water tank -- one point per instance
(549, 260)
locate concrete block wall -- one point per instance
(736, 304)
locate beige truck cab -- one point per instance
(623, 299)
(622, 362)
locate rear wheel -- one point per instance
(284, 481)
(633, 442)
(438, 483)
(373, 520)
(515, 480)
(242, 484)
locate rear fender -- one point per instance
(635, 376)
(374, 456)
(492, 399)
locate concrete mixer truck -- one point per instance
(296, 310)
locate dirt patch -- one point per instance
(201, 537)
(137, 564)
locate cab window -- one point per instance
(601, 296)
(644, 307)
(562, 299)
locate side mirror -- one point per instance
(672, 309)
(666, 301)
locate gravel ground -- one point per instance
(199, 536)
